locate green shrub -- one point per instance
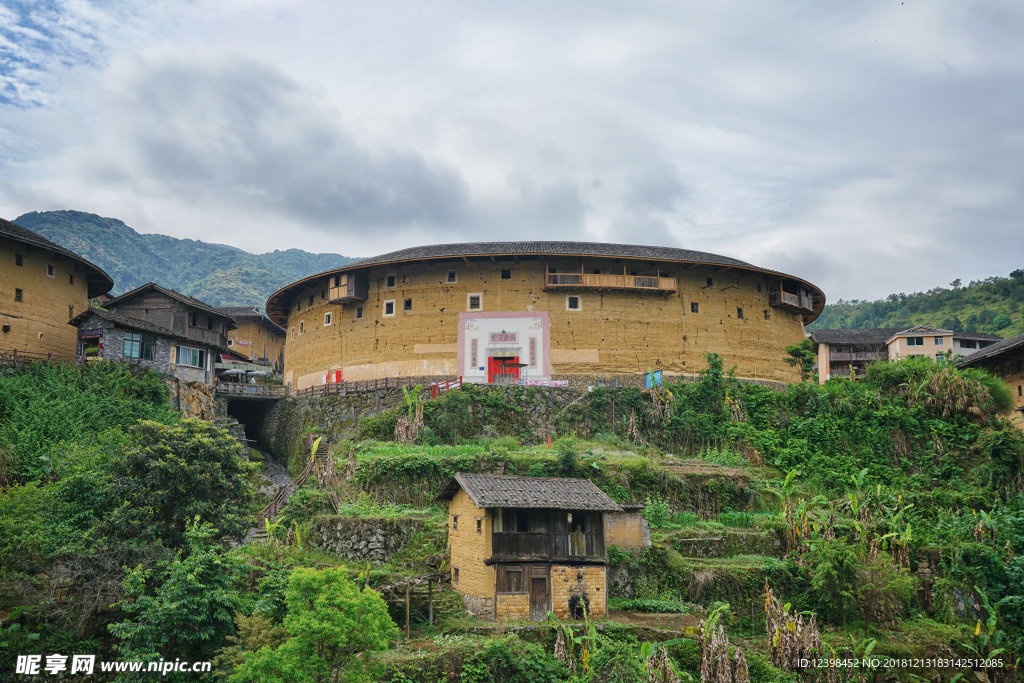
(380, 426)
(649, 605)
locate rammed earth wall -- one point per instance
(608, 333)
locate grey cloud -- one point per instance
(244, 133)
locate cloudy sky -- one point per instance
(871, 147)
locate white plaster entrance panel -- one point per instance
(504, 334)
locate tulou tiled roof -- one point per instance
(98, 280)
(992, 353)
(252, 313)
(467, 249)
(496, 491)
(279, 301)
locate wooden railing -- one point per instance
(438, 388)
(858, 355)
(598, 281)
(20, 359)
(540, 545)
(363, 386)
(787, 299)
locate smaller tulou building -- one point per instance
(157, 328)
(523, 546)
(258, 338)
(42, 286)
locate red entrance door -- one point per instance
(498, 367)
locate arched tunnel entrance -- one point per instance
(252, 414)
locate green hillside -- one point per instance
(215, 273)
(992, 306)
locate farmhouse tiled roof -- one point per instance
(496, 491)
(187, 300)
(977, 336)
(98, 280)
(990, 353)
(867, 335)
(137, 324)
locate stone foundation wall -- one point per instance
(580, 581)
(363, 539)
(479, 606)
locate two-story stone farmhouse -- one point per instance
(157, 328)
(521, 546)
(258, 338)
(847, 353)
(42, 286)
(1006, 361)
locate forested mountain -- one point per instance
(218, 274)
(992, 305)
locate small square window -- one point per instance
(506, 274)
(359, 312)
(694, 307)
(50, 270)
(455, 575)
(302, 327)
(739, 313)
(293, 331)
(389, 307)
(391, 280)
(328, 319)
(71, 278)
(19, 260)
(479, 525)
(766, 316)
(407, 305)
(1020, 391)
(452, 276)
(572, 303)
(938, 341)
(71, 312)
(231, 342)
(474, 302)
(17, 295)
(710, 282)
(455, 522)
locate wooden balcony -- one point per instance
(349, 288)
(541, 546)
(858, 355)
(593, 281)
(794, 302)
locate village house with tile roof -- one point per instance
(847, 353)
(522, 546)
(157, 328)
